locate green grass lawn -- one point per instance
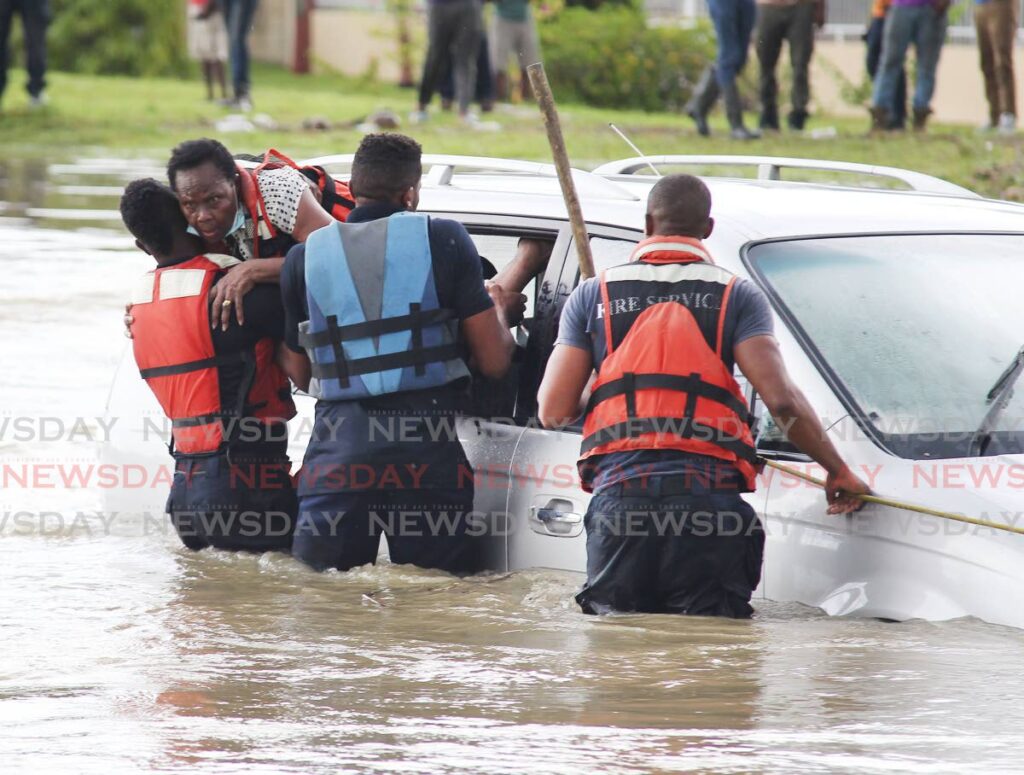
(91, 115)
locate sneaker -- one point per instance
(1007, 124)
(418, 117)
(40, 100)
(472, 121)
(244, 103)
(742, 133)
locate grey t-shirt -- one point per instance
(747, 315)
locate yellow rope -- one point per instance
(899, 504)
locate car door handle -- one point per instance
(551, 521)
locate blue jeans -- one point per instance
(246, 504)
(671, 544)
(926, 29)
(873, 38)
(238, 17)
(734, 23)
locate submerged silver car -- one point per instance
(896, 297)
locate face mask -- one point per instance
(238, 223)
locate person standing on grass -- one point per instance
(515, 33)
(208, 43)
(873, 39)
(454, 28)
(35, 16)
(238, 15)
(923, 23)
(792, 21)
(734, 23)
(996, 23)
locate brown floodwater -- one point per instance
(123, 652)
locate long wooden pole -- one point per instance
(546, 102)
(900, 504)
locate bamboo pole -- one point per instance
(546, 102)
(900, 504)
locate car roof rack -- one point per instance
(770, 168)
(440, 169)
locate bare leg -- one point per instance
(208, 77)
(219, 75)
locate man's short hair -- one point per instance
(150, 211)
(194, 153)
(681, 204)
(385, 166)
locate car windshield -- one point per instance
(914, 330)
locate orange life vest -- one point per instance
(663, 384)
(335, 198)
(175, 355)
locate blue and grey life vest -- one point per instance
(375, 325)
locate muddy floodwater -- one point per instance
(122, 652)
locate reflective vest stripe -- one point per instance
(721, 317)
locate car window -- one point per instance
(914, 330)
(610, 252)
(497, 399)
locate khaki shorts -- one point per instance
(208, 39)
(514, 38)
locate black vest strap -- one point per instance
(377, 363)
(186, 368)
(692, 384)
(416, 319)
(680, 426)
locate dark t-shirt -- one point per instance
(264, 318)
(748, 314)
(404, 440)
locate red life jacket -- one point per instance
(663, 384)
(335, 198)
(175, 355)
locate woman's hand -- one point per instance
(128, 320)
(229, 292)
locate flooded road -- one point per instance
(123, 652)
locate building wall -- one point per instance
(960, 90)
(273, 33)
(358, 42)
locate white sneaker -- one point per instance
(472, 121)
(1007, 124)
(244, 103)
(41, 100)
(418, 117)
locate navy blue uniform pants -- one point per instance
(654, 549)
(35, 16)
(431, 528)
(247, 505)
